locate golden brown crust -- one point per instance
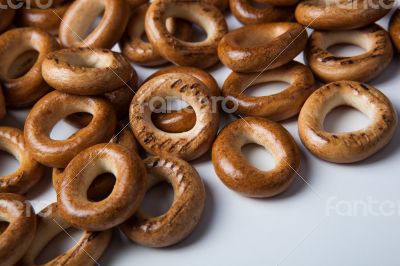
(52, 108)
(238, 174)
(278, 2)
(6, 15)
(276, 107)
(328, 67)
(275, 45)
(23, 86)
(347, 147)
(394, 29)
(220, 4)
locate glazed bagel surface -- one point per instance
(394, 29)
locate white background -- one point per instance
(332, 215)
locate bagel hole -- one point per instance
(22, 64)
(345, 119)
(267, 88)
(101, 187)
(63, 131)
(346, 50)
(94, 24)
(198, 33)
(60, 244)
(144, 37)
(9, 164)
(90, 60)
(158, 199)
(3, 226)
(259, 157)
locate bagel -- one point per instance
(347, 147)
(87, 250)
(187, 145)
(238, 174)
(52, 108)
(3, 111)
(86, 71)
(394, 29)
(328, 67)
(183, 215)
(276, 107)
(275, 45)
(75, 26)
(124, 200)
(22, 52)
(201, 54)
(6, 15)
(19, 234)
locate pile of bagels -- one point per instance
(57, 61)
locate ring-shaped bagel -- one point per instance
(246, 13)
(19, 234)
(3, 110)
(341, 15)
(183, 215)
(124, 200)
(79, 17)
(187, 145)
(278, 106)
(29, 171)
(394, 29)
(86, 251)
(56, 106)
(347, 147)
(6, 15)
(328, 67)
(238, 174)
(86, 71)
(274, 45)
(22, 52)
(201, 54)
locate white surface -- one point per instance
(332, 215)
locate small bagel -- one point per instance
(124, 200)
(238, 174)
(328, 67)
(184, 119)
(87, 250)
(52, 108)
(185, 212)
(274, 45)
(276, 107)
(19, 234)
(29, 171)
(201, 54)
(22, 52)
(3, 111)
(86, 71)
(347, 147)
(187, 145)
(75, 26)
(246, 13)
(142, 52)
(341, 15)
(394, 29)
(6, 15)
(278, 2)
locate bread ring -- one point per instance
(29, 171)
(201, 54)
(246, 13)
(341, 15)
(79, 17)
(87, 251)
(184, 119)
(6, 15)
(86, 71)
(275, 45)
(22, 52)
(394, 29)
(347, 147)
(55, 106)
(3, 111)
(18, 235)
(142, 52)
(185, 212)
(238, 174)
(122, 203)
(187, 145)
(328, 67)
(279, 106)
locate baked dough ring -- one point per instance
(52, 108)
(274, 45)
(87, 251)
(238, 174)
(19, 234)
(394, 29)
(6, 15)
(187, 145)
(279, 106)
(185, 212)
(347, 147)
(328, 67)
(29, 171)
(22, 52)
